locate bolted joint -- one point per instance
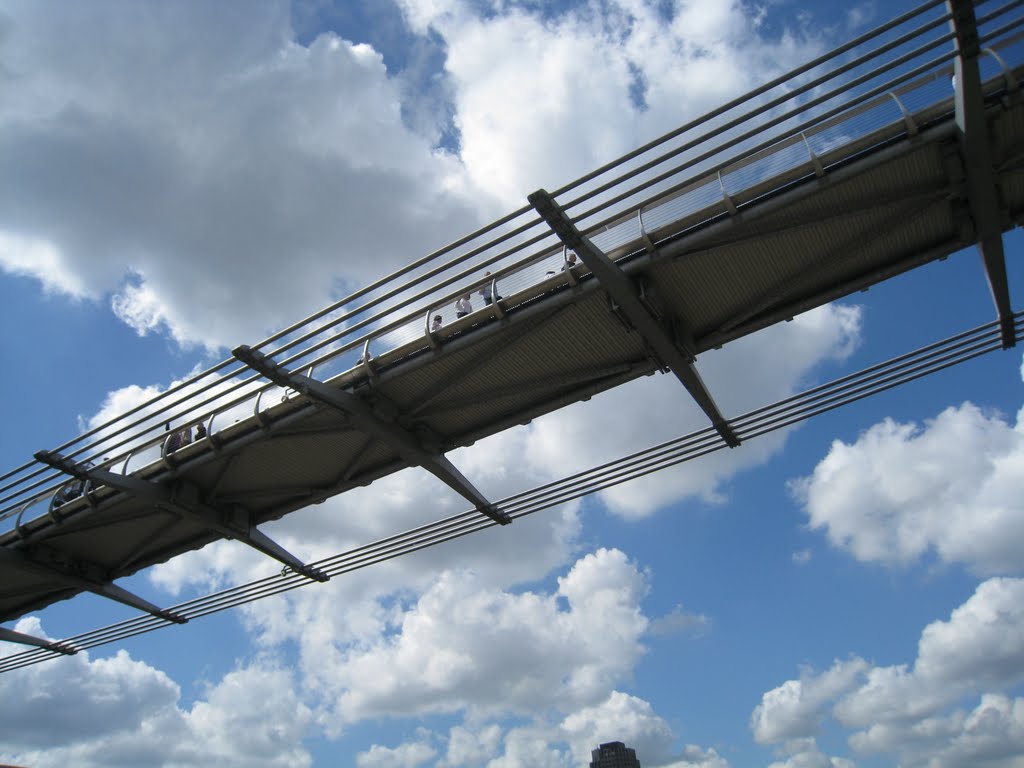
(171, 616)
(560, 223)
(263, 365)
(497, 515)
(315, 574)
(62, 464)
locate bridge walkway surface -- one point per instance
(892, 151)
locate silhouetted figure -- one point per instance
(178, 439)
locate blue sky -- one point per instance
(180, 178)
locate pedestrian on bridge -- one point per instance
(463, 306)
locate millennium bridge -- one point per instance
(894, 150)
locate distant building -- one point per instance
(614, 754)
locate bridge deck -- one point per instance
(851, 216)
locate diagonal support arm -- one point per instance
(10, 636)
(619, 287)
(193, 508)
(99, 586)
(982, 191)
(364, 418)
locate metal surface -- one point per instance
(799, 199)
(976, 151)
(379, 421)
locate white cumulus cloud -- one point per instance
(119, 711)
(949, 487)
(914, 712)
(465, 648)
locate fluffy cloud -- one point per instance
(212, 176)
(794, 709)
(39, 259)
(990, 734)
(458, 647)
(524, 81)
(461, 647)
(901, 491)
(980, 648)
(472, 746)
(100, 712)
(549, 743)
(913, 712)
(805, 753)
(403, 756)
(464, 648)
(79, 697)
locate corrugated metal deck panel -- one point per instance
(577, 342)
(807, 247)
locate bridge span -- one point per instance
(892, 151)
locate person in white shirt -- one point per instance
(462, 306)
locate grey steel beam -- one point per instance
(983, 200)
(387, 429)
(185, 501)
(621, 289)
(10, 636)
(72, 575)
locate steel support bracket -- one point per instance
(185, 500)
(381, 426)
(623, 292)
(69, 574)
(10, 636)
(984, 201)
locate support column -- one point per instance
(985, 206)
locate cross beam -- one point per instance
(671, 353)
(364, 418)
(10, 636)
(187, 504)
(95, 580)
(982, 191)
